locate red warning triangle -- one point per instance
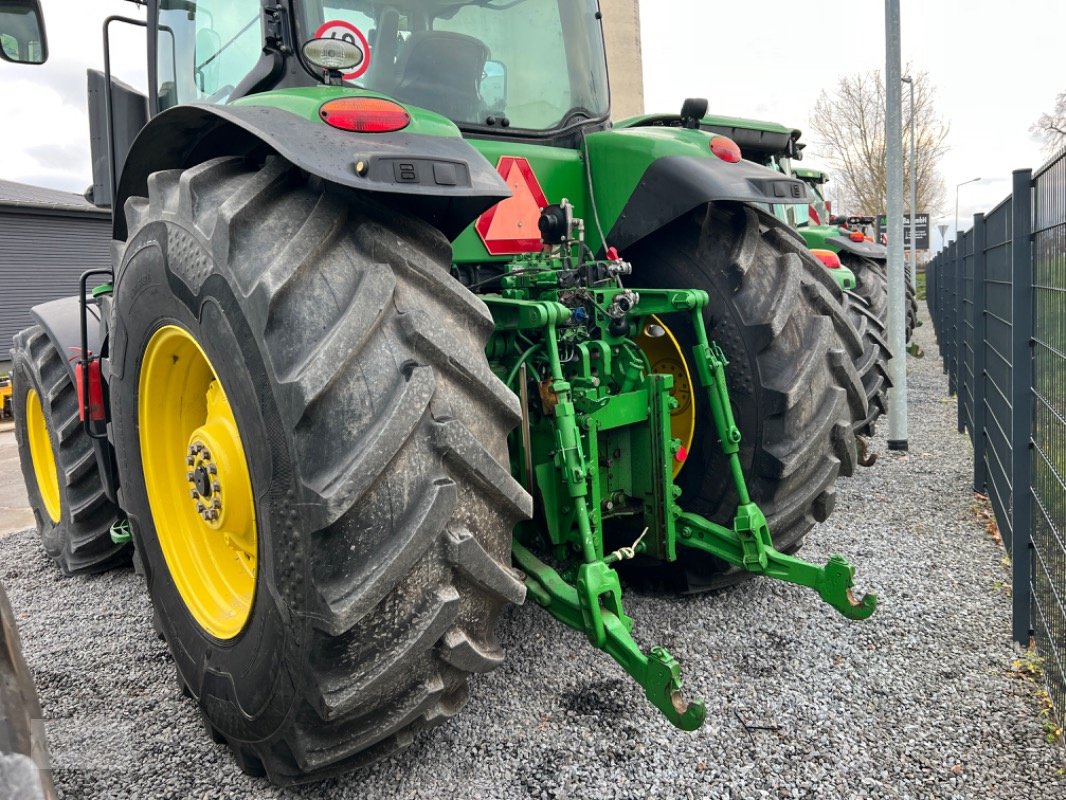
(510, 227)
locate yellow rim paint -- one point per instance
(666, 358)
(199, 487)
(44, 460)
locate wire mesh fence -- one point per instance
(997, 296)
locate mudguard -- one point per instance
(443, 180)
(675, 185)
(871, 250)
(61, 322)
(646, 177)
(828, 237)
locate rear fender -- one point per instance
(647, 177)
(443, 180)
(829, 237)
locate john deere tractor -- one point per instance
(399, 331)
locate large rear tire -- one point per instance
(791, 349)
(374, 438)
(59, 466)
(872, 367)
(871, 278)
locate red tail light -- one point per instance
(725, 148)
(858, 236)
(828, 258)
(365, 115)
(96, 391)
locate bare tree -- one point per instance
(1052, 127)
(849, 126)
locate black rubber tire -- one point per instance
(376, 437)
(871, 277)
(24, 770)
(81, 541)
(871, 281)
(912, 307)
(872, 367)
(779, 318)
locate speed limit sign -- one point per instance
(339, 29)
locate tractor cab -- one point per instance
(532, 66)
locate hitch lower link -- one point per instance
(593, 602)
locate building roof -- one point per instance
(37, 198)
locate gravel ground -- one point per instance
(914, 703)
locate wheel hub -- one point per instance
(198, 482)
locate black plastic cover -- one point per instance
(675, 185)
(440, 179)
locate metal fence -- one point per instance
(997, 296)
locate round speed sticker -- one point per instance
(339, 29)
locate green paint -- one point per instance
(619, 159)
(600, 456)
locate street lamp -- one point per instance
(907, 79)
(972, 180)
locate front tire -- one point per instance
(59, 466)
(374, 437)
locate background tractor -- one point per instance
(399, 331)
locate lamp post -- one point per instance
(907, 79)
(957, 187)
(897, 315)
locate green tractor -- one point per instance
(399, 331)
(852, 237)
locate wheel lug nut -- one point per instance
(206, 455)
(212, 469)
(200, 508)
(193, 494)
(189, 476)
(216, 487)
(216, 503)
(190, 460)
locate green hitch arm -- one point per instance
(710, 364)
(833, 582)
(658, 672)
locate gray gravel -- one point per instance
(915, 703)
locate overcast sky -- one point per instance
(996, 67)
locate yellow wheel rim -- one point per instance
(198, 484)
(666, 358)
(44, 460)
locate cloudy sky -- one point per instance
(993, 63)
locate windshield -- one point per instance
(526, 64)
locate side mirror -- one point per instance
(493, 87)
(22, 36)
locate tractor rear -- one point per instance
(399, 332)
